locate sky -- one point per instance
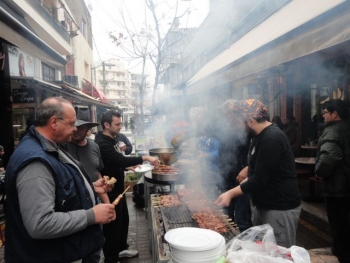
(106, 19)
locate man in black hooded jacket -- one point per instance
(115, 163)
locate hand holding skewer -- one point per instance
(117, 200)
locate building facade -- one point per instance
(112, 78)
(263, 51)
(36, 44)
(79, 63)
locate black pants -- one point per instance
(116, 232)
(338, 212)
(94, 258)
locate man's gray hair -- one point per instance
(50, 107)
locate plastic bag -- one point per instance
(258, 245)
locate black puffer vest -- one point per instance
(71, 194)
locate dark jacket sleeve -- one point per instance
(128, 145)
(330, 154)
(114, 158)
(124, 139)
(333, 159)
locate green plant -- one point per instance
(132, 123)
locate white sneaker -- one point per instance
(128, 253)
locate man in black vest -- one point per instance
(51, 211)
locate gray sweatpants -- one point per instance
(284, 223)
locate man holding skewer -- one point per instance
(116, 233)
(51, 209)
(88, 153)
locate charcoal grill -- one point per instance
(164, 219)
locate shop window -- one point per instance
(22, 118)
(83, 28)
(48, 73)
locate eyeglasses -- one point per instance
(71, 124)
(324, 112)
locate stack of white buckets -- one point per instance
(195, 245)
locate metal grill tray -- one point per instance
(177, 215)
(180, 216)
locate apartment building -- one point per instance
(112, 78)
(41, 43)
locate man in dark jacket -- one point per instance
(51, 211)
(333, 166)
(88, 154)
(116, 233)
(291, 130)
(272, 180)
(233, 154)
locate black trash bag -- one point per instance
(138, 195)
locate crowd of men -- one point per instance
(59, 206)
(57, 199)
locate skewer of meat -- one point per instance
(167, 200)
(117, 200)
(208, 220)
(165, 169)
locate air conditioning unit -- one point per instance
(71, 79)
(60, 14)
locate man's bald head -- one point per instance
(53, 106)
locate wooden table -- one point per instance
(311, 161)
(309, 147)
(309, 150)
(306, 160)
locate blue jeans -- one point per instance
(240, 211)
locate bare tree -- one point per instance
(146, 43)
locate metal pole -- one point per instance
(91, 79)
(104, 78)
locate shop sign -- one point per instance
(23, 96)
(21, 111)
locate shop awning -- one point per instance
(292, 16)
(94, 92)
(82, 94)
(63, 89)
